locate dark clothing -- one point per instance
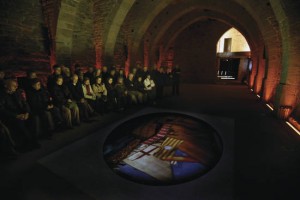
(67, 79)
(130, 85)
(120, 90)
(111, 96)
(176, 75)
(51, 82)
(60, 95)
(24, 83)
(105, 76)
(143, 74)
(1, 86)
(121, 95)
(111, 92)
(160, 81)
(12, 105)
(175, 81)
(76, 91)
(89, 75)
(114, 77)
(7, 144)
(84, 107)
(121, 76)
(43, 118)
(38, 100)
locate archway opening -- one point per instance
(233, 56)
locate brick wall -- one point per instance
(23, 36)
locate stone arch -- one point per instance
(223, 19)
(115, 26)
(64, 31)
(268, 26)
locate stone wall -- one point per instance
(195, 51)
(83, 50)
(24, 36)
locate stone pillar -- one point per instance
(258, 83)
(286, 99)
(269, 89)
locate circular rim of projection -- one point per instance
(183, 161)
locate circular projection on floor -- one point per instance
(162, 149)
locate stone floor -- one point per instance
(266, 158)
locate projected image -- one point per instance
(162, 149)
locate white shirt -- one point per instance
(149, 84)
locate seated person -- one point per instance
(66, 73)
(121, 74)
(161, 79)
(76, 90)
(42, 110)
(150, 89)
(88, 92)
(134, 95)
(111, 94)
(105, 74)
(121, 94)
(15, 114)
(101, 94)
(80, 75)
(51, 81)
(62, 99)
(113, 74)
(141, 88)
(97, 73)
(90, 73)
(24, 82)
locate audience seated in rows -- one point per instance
(36, 110)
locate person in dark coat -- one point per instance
(75, 87)
(144, 72)
(141, 88)
(105, 74)
(175, 80)
(111, 94)
(97, 73)
(121, 74)
(121, 94)
(133, 93)
(15, 114)
(114, 75)
(90, 73)
(66, 74)
(51, 81)
(26, 83)
(160, 81)
(44, 113)
(62, 99)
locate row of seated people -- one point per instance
(29, 108)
